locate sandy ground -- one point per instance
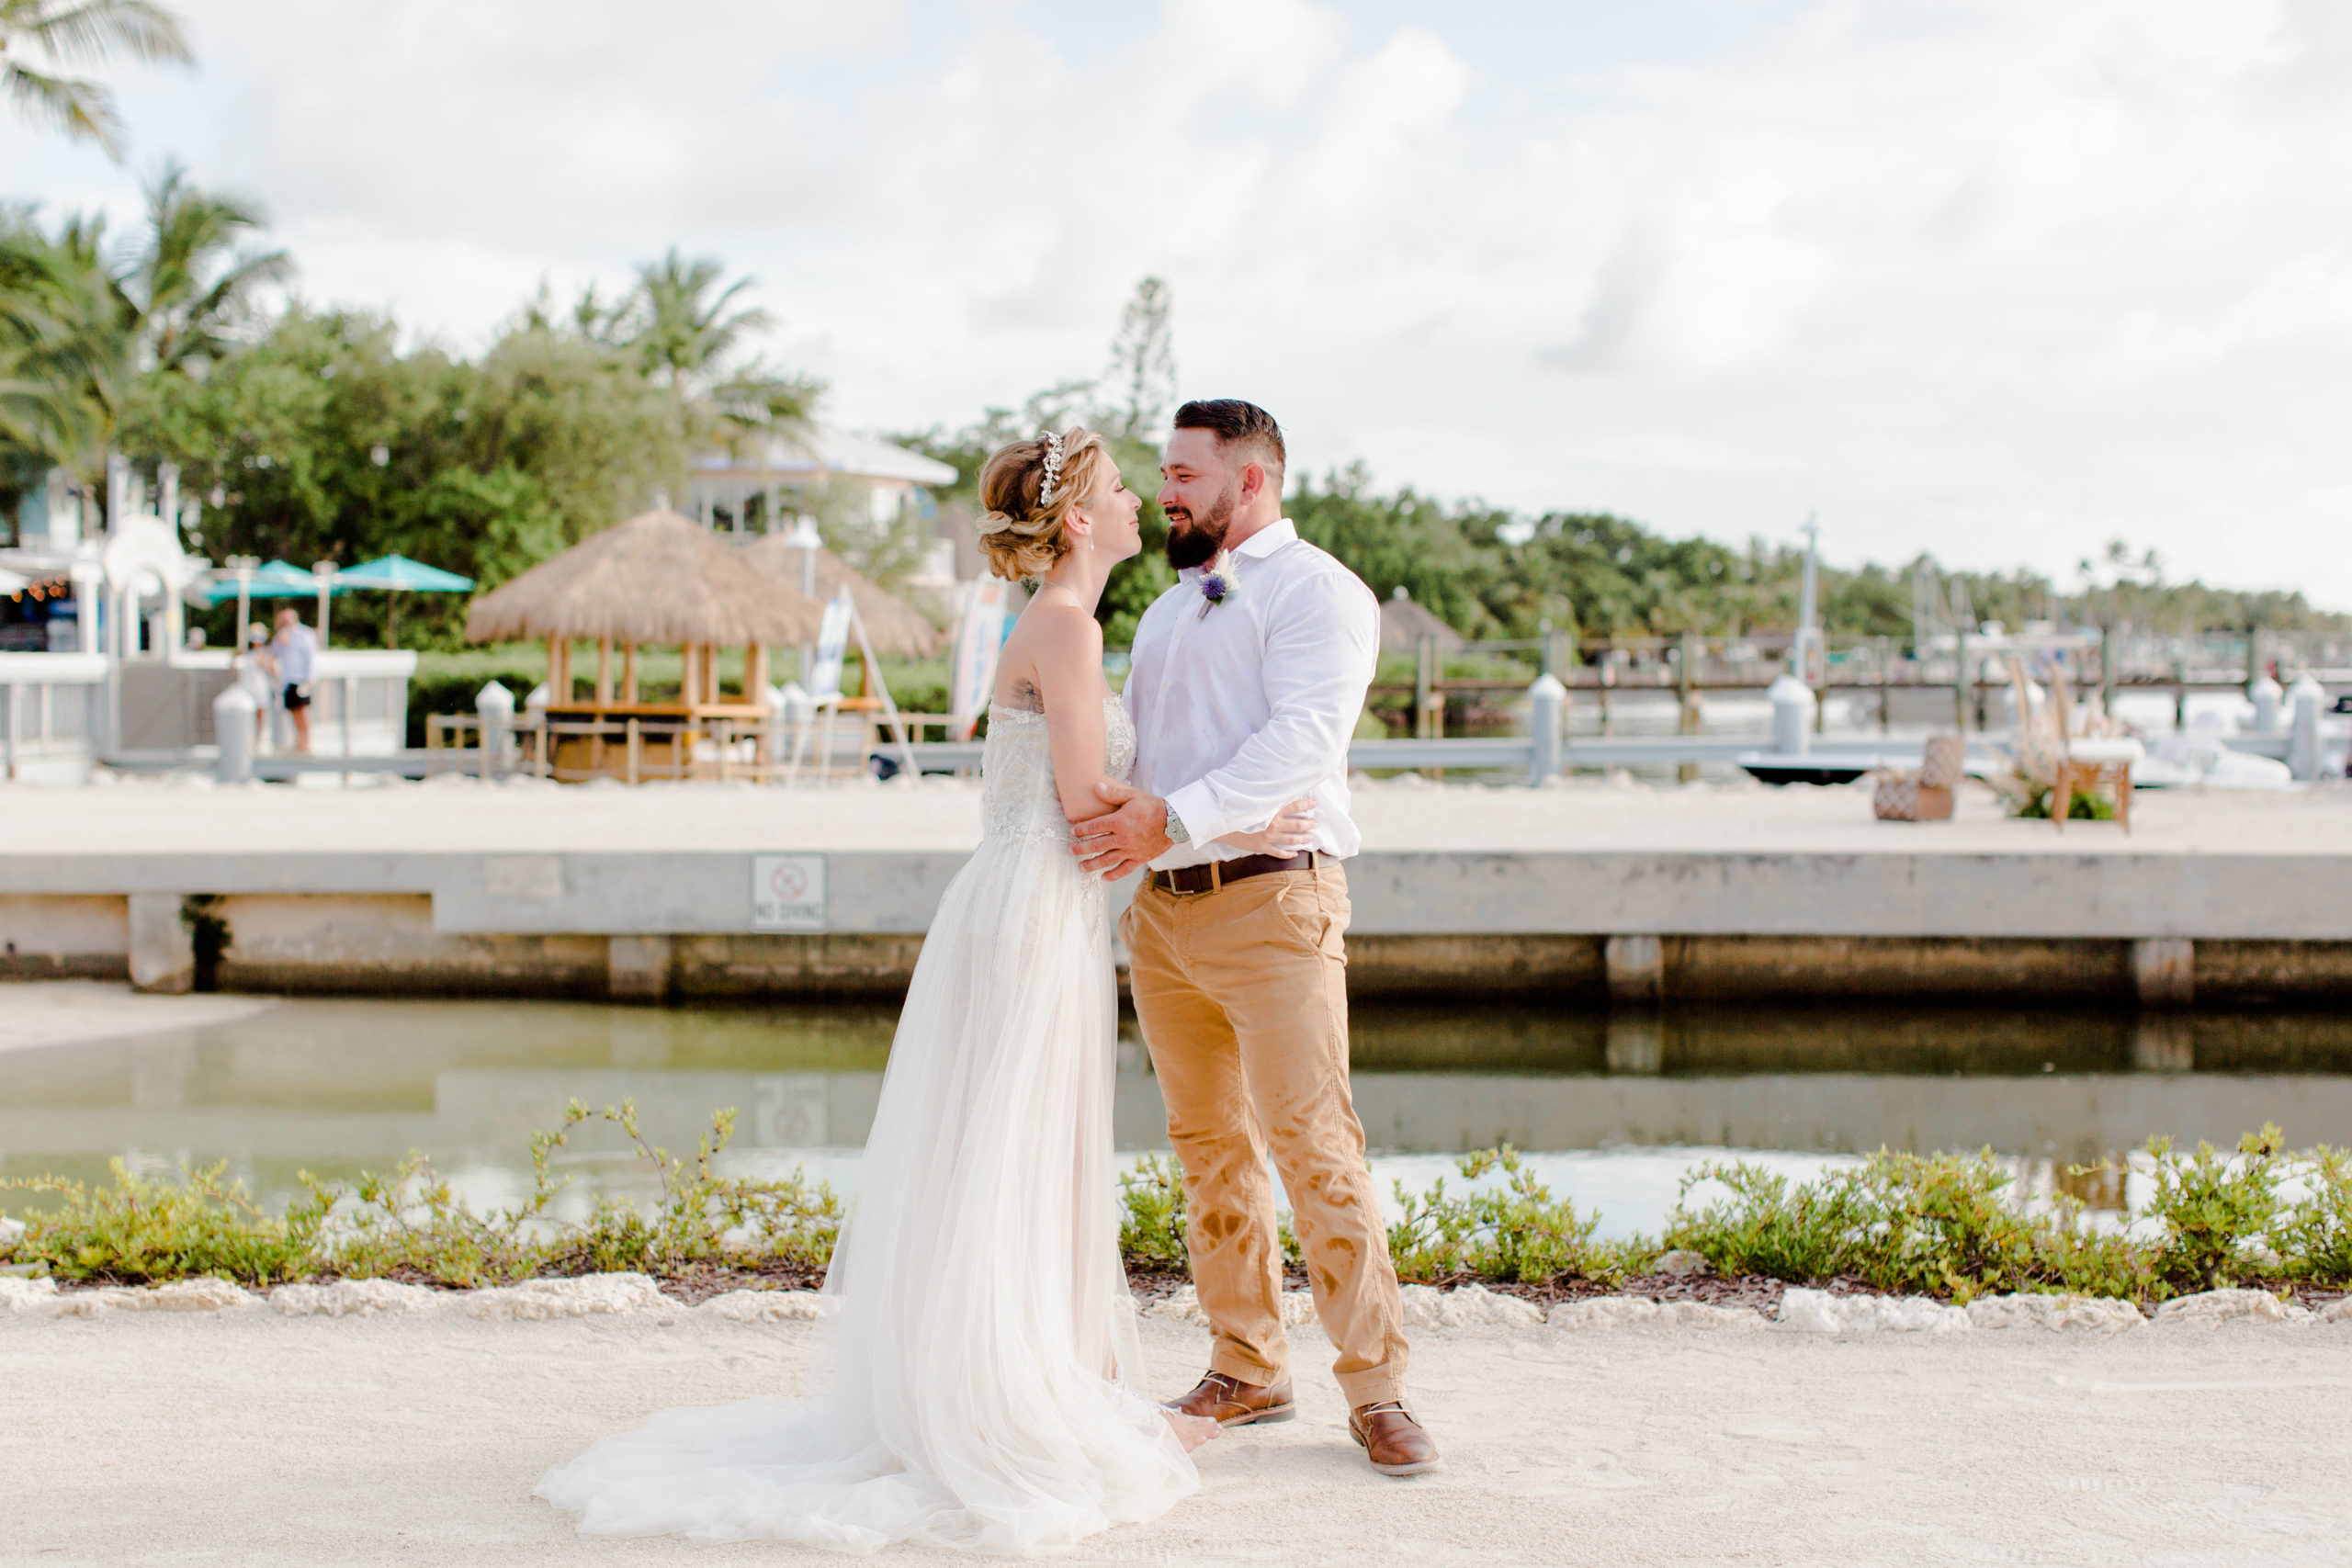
(465, 815)
(253, 1440)
(64, 1013)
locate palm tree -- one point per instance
(67, 348)
(79, 328)
(686, 334)
(187, 289)
(70, 30)
(679, 332)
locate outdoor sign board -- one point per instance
(832, 647)
(978, 635)
(788, 892)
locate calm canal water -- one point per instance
(1618, 1109)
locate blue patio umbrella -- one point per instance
(271, 579)
(401, 575)
(398, 575)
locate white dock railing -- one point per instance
(48, 705)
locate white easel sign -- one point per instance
(824, 681)
(979, 637)
(788, 893)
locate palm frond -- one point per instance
(97, 30)
(84, 110)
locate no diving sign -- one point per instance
(788, 893)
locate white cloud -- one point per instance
(1998, 280)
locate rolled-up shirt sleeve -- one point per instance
(1321, 651)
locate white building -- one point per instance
(761, 488)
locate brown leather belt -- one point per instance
(1218, 872)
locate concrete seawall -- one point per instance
(1631, 925)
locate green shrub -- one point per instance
(704, 1218)
(410, 1223)
(1943, 1225)
(144, 1231)
(1151, 1216)
(1151, 1212)
(1519, 1234)
(2313, 1237)
(1947, 1226)
(2211, 1207)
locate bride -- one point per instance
(987, 1368)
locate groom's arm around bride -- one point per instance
(1247, 680)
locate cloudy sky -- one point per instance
(2000, 279)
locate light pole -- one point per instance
(243, 568)
(324, 572)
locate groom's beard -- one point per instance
(1194, 541)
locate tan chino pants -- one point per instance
(1242, 993)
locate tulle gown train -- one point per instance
(986, 1362)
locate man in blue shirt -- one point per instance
(295, 652)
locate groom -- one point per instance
(1246, 684)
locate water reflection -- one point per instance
(335, 1087)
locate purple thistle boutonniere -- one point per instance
(1218, 583)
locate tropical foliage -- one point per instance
(69, 33)
(312, 433)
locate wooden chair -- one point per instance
(2096, 762)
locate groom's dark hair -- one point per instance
(1231, 421)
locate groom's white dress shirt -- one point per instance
(1246, 707)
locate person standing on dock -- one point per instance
(1247, 679)
(295, 652)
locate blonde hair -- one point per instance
(1021, 537)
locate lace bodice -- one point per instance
(1017, 796)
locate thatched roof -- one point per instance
(894, 625)
(656, 579)
(1403, 623)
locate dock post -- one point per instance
(637, 968)
(2305, 701)
(1547, 712)
(2163, 971)
(1959, 679)
(1636, 970)
(1886, 685)
(232, 728)
(1425, 687)
(1686, 696)
(2265, 694)
(2107, 671)
(1792, 710)
(495, 705)
(162, 949)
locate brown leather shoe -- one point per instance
(1392, 1439)
(1229, 1401)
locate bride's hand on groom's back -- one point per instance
(1125, 839)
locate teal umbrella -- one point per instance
(401, 575)
(272, 579)
(397, 575)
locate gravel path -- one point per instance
(249, 1438)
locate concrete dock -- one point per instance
(1623, 894)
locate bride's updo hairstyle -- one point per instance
(1028, 489)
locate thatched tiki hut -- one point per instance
(656, 581)
(893, 626)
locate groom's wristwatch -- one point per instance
(1175, 829)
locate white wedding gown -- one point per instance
(986, 1362)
